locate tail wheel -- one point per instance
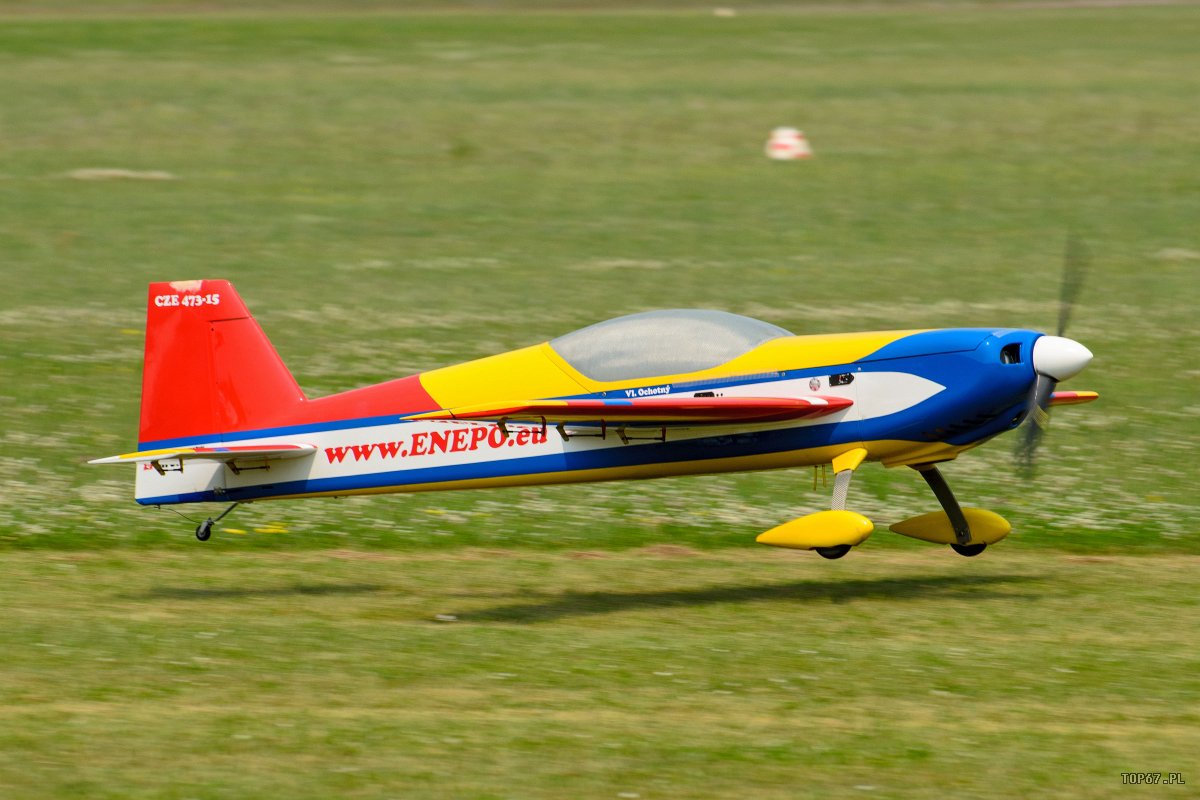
(833, 552)
(969, 550)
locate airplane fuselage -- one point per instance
(917, 397)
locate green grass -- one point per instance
(399, 193)
(396, 192)
(525, 674)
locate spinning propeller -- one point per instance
(1055, 358)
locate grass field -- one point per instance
(398, 191)
(528, 674)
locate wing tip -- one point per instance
(1073, 398)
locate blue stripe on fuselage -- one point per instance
(927, 343)
(714, 447)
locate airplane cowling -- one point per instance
(987, 527)
(823, 529)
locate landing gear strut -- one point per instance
(941, 490)
(968, 531)
(831, 533)
(962, 543)
(204, 529)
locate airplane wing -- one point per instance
(658, 411)
(257, 452)
(1072, 398)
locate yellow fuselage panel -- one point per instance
(901, 452)
(519, 374)
(538, 372)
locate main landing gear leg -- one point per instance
(962, 529)
(843, 473)
(204, 529)
(831, 533)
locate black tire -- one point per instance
(969, 550)
(837, 551)
(204, 530)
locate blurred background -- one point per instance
(399, 186)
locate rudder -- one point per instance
(209, 369)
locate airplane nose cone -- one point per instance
(1059, 358)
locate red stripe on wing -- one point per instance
(657, 410)
(253, 448)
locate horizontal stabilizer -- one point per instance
(1072, 398)
(650, 410)
(213, 453)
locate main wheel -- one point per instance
(837, 551)
(969, 550)
(204, 530)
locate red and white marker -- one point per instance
(788, 144)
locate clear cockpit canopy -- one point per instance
(666, 342)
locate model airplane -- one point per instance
(643, 396)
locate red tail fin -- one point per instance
(209, 368)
